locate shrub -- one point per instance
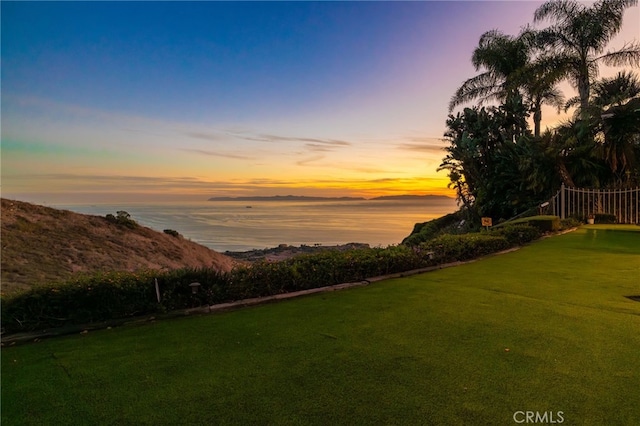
(543, 223)
(172, 233)
(605, 218)
(569, 223)
(451, 223)
(449, 248)
(83, 300)
(122, 218)
(517, 234)
(175, 292)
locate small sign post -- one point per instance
(486, 221)
(157, 290)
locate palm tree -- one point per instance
(510, 70)
(540, 87)
(616, 91)
(578, 36)
(575, 160)
(501, 56)
(616, 111)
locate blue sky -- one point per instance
(157, 100)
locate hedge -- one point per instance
(543, 223)
(118, 295)
(449, 248)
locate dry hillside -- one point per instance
(42, 244)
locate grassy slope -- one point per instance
(41, 244)
(429, 349)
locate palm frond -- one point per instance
(629, 54)
(499, 53)
(609, 14)
(562, 10)
(557, 39)
(616, 90)
(481, 87)
(554, 97)
(529, 36)
(571, 103)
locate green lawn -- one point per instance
(546, 328)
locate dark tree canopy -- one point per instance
(497, 166)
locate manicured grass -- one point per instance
(546, 328)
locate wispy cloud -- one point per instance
(205, 136)
(328, 142)
(307, 161)
(421, 144)
(419, 147)
(373, 170)
(316, 147)
(217, 154)
(265, 137)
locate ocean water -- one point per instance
(234, 226)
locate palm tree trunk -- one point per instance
(564, 174)
(537, 117)
(583, 91)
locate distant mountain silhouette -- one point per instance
(305, 198)
(412, 197)
(286, 198)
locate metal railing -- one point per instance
(584, 203)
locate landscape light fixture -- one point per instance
(194, 287)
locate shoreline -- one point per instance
(285, 251)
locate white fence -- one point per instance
(577, 202)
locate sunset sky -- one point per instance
(141, 101)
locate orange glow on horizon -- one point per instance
(147, 188)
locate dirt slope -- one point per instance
(42, 244)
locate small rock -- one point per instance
(84, 331)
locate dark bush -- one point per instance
(517, 234)
(449, 248)
(543, 223)
(83, 300)
(451, 223)
(172, 233)
(605, 218)
(569, 223)
(122, 218)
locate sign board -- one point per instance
(486, 221)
